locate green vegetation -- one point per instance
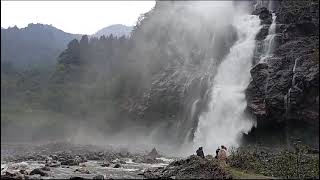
(239, 174)
(283, 163)
(90, 82)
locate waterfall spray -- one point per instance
(226, 120)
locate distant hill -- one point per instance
(34, 45)
(40, 44)
(116, 30)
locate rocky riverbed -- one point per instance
(64, 161)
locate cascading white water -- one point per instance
(269, 41)
(226, 121)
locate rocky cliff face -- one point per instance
(283, 92)
(284, 89)
(182, 50)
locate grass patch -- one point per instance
(282, 163)
(240, 174)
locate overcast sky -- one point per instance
(83, 17)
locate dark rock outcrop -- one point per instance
(98, 177)
(82, 170)
(70, 162)
(153, 154)
(105, 164)
(38, 171)
(264, 15)
(285, 88)
(193, 167)
(45, 168)
(76, 178)
(53, 164)
(179, 70)
(8, 175)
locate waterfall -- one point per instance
(287, 97)
(269, 41)
(225, 121)
(193, 108)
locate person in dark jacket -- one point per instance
(200, 152)
(217, 152)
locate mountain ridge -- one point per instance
(40, 44)
(115, 29)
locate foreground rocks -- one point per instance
(9, 175)
(74, 155)
(193, 167)
(43, 161)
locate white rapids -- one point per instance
(225, 121)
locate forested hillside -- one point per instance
(34, 45)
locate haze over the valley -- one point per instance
(160, 89)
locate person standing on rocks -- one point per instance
(200, 152)
(217, 152)
(222, 155)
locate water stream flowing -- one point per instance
(269, 41)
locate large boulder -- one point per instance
(153, 154)
(38, 171)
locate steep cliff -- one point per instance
(284, 91)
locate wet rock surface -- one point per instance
(284, 90)
(264, 15)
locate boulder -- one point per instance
(9, 175)
(82, 170)
(153, 154)
(70, 162)
(45, 168)
(105, 164)
(38, 171)
(22, 171)
(53, 164)
(122, 162)
(98, 177)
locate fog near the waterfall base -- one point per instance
(223, 33)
